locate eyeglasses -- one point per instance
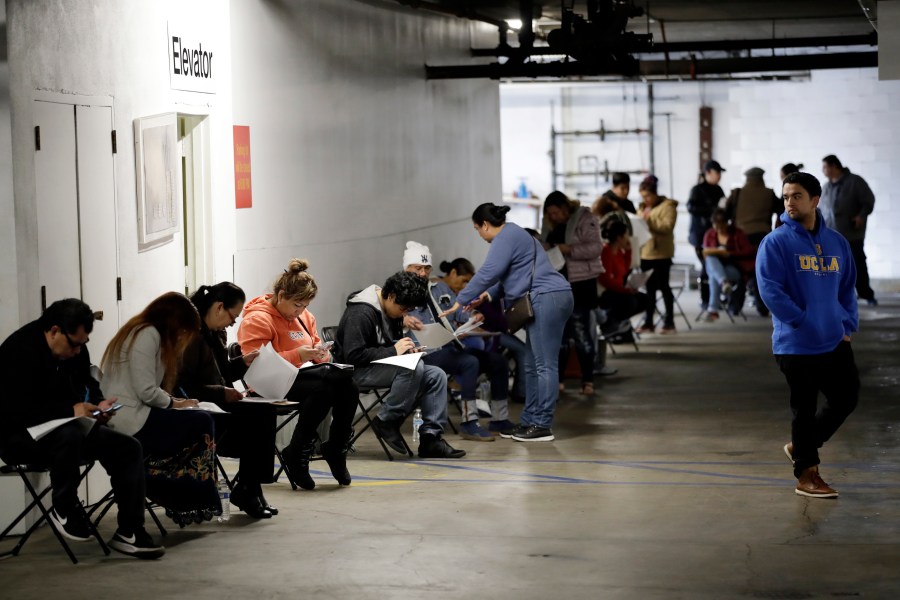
(233, 317)
(73, 344)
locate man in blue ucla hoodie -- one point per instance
(807, 278)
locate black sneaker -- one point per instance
(389, 432)
(139, 544)
(432, 446)
(76, 526)
(534, 433)
(511, 432)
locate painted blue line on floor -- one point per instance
(699, 484)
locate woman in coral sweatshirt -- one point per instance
(282, 319)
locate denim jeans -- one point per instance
(465, 366)
(519, 351)
(544, 338)
(719, 273)
(426, 385)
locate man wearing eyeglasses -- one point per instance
(46, 368)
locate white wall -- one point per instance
(82, 48)
(767, 124)
(353, 151)
(9, 300)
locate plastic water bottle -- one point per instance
(523, 190)
(225, 498)
(417, 422)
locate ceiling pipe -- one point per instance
(870, 9)
(677, 69)
(868, 39)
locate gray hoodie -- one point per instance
(365, 333)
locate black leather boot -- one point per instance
(335, 454)
(296, 459)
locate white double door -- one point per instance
(76, 211)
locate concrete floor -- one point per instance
(670, 483)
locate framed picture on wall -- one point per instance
(158, 177)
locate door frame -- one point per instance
(194, 148)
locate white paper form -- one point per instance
(207, 406)
(407, 361)
(270, 375)
(433, 335)
(39, 431)
(557, 260)
(638, 279)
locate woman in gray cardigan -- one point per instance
(141, 367)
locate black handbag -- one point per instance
(521, 313)
(326, 371)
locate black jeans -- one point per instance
(863, 289)
(659, 280)
(248, 433)
(834, 374)
(63, 449)
(316, 397)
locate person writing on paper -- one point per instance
(283, 320)
(619, 300)
(575, 232)
(517, 265)
(141, 369)
(46, 368)
(247, 431)
(464, 359)
(371, 329)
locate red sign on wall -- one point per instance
(243, 191)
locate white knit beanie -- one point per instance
(416, 254)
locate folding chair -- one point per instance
(677, 290)
(23, 471)
(725, 297)
(106, 502)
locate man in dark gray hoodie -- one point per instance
(370, 329)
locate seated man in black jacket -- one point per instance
(371, 328)
(46, 368)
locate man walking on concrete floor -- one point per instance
(806, 276)
(847, 202)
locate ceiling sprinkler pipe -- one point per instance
(870, 9)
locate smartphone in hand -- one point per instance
(112, 408)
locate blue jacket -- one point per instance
(507, 268)
(808, 280)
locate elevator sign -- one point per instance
(192, 62)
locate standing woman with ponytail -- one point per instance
(247, 432)
(141, 368)
(517, 264)
(282, 319)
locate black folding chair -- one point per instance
(106, 502)
(379, 394)
(23, 471)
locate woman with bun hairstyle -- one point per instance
(517, 265)
(660, 213)
(141, 369)
(282, 319)
(247, 432)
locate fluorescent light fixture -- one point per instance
(514, 23)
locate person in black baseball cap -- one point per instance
(703, 199)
